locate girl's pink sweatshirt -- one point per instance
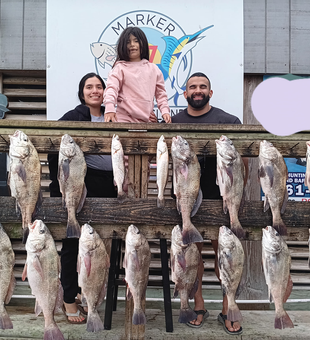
(132, 87)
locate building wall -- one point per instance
(276, 36)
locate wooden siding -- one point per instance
(276, 36)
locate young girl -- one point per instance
(133, 82)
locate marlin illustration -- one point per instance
(104, 53)
(175, 53)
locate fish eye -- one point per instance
(277, 234)
(41, 231)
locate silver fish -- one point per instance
(118, 164)
(136, 263)
(25, 178)
(230, 179)
(71, 173)
(273, 174)
(7, 281)
(230, 263)
(42, 269)
(93, 268)
(162, 162)
(184, 268)
(186, 183)
(277, 263)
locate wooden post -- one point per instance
(136, 171)
(1, 82)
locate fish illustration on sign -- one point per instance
(104, 53)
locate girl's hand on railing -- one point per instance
(110, 117)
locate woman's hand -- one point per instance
(153, 118)
(110, 117)
(167, 117)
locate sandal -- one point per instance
(77, 314)
(202, 312)
(80, 305)
(221, 318)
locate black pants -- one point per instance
(99, 184)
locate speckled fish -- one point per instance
(118, 165)
(230, 264)
(7, 279)
(307, 176)
(277, 263)
(136, 263)
(42, 269)
(25, 178)
(230, 179)
(184, 268)
(71, 173)
(93, 268)
(273, 174)
(162, 163)
(186, 184)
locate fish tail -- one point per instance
(25, 234)
(121, 196)
(283, 321)
(280, 226)
(160, 202)
(234, 314)
(52, 332)
(191, 235)
(94, 323)
(73, 229)
(5, 321)
(237, 229)
(187, 315)
(138, 317)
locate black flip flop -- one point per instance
(221, 318)
(202, 312)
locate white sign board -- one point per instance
(207, 35)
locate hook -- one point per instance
(294, 146)
(96, 145)
(250, 145)
(51, 142)
(206, 144)
(5, 140)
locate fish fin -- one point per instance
(184, 170)
(225, 209)
(37, 309)
(73, 229)
(186, 315)
(24, 275)
(289, 289)
(234, 314)
(37, 266)
(94, 323)
(284, 201)
(175, 292)
(197, 203)
(5, 321)
(280, 227)
(87, 262)
(65, 168)
(10, 289)
(128, 294)
(270, 174)
(266, 204)
(237, 229)
(178, 206)
(121, 196)
(138, 317)
(52, 332)
(160, 202)
(82, 200)
(284, 321)
(25, 234)
(194, 289)
(38, 205)
(191, 235)
(21, 171)
(182, 261)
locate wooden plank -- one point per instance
(144, 176)
(25, 93)
(300, 36)
(131, 176)
(254, 36)
(27, 105)
(11, 26)
(34, 40)
(14, 116)
(137, 181)
(18, 80)
(278, 36)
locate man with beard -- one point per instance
(198, 94)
